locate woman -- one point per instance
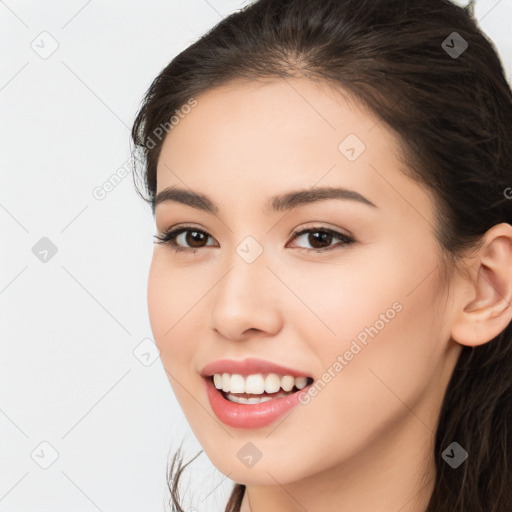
(330, 288)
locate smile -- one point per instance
(256, 400)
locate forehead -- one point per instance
(269, 126)
(256, 139)
(298, 110)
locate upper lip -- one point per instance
(248, 366)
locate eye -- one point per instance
(320, 238)
(190, 235)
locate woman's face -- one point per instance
(360, 318)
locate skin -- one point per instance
(365, 442)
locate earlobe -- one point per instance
(489, 308)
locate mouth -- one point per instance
(253, 393)
(256, 406)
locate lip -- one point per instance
(249, 366)
(250, 416)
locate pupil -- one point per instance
(190, 238)
(324, 237)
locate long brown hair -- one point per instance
(428, 72)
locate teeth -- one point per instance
(253, 384)
(287, 382)
(217, 380)
(301, 382)
(226, 379)
(237, 384)
(257, 383)
(252, 400)
(272, 383)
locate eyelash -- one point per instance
(169, 238)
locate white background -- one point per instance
(69, 326)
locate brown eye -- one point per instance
(183, 239)
(195, 238)
(319, 242)
(189, 239)
(320, 238)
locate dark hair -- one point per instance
(452, 116)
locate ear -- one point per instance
(485, 306)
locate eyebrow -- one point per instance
(283, 202)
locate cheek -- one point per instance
(159, 296)
(169, 302)
(375, 330)
(363, 398)
(366, 292)
(338, 301)
(389, 346)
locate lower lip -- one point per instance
(250, 415)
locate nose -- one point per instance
(246, 299)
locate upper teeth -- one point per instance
(257, 383)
